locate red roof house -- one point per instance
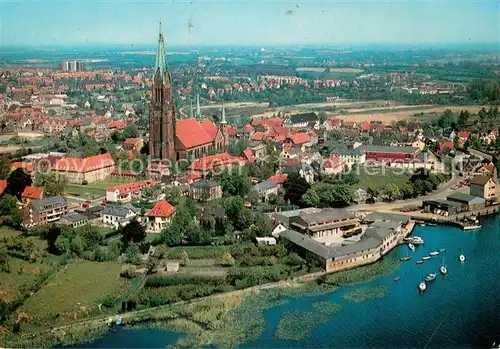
(162, 209)
(212, 162)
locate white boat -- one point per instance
(422, 286)
(430, 277)
(411, 246)
(433, 253)
(442, 250)
(461, 258)
(426, 258)
(417, 240)
(443, 270)
(471, 227)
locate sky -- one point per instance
(51, 23)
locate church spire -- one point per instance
(191, 110)
(223, 118)
(198, 109)
(161, 57)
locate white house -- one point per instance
(159, 216)
(126, 192)
(118, 216)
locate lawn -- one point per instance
(379, 177)
(75, 291)
(6, 232)
(84, 191)
(110, 182)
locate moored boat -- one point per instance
(422, 286)
(442, 250)
(430, 277)
(443, 270)
(396, 278)
(433, 253)
(404, 259)
(461, 258)
(471, 227)
(420, 261)
(417, 240)
(426, 258)
(411, 246)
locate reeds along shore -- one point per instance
(223, 320)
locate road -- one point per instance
(441, 193)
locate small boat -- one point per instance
(433, 253)
(420, 261)
(411, 246)
(431, 224)
(118, 321)
(397, 278)
(426, 258)
(461, 258)
(430, 277)
(417, 240)
(442, 250)
(422, 286)
(443, 270)
(404, 259)
(471, 227)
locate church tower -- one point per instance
(162, 109)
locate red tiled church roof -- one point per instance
(209, 127)
(161, 209)
(191, 134)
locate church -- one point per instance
(174, 139)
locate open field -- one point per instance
(84, 191)
(310, 69)
(379, 177)
(75, 290)
(390, 116)
(6, 232)
(346, 70)
(109, 182)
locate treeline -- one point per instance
(486, 91)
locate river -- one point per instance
(460, 310)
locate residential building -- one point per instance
(159, 216)
(303, 170)
(484, 187)
(350, 156)
(90, 169)
(265, 189)
(133, 144)
(205, 190)
(310, 120)
(44, 211)
(215, 162)
(118, 216)
(127, 192)
(332, 166)
(73, 220)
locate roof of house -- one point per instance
(332, 162)
(209, 127)
(212, 161)
(117, 210)
(264, 186)
(131, 187)
(21, 164)
(84, 165)
(191, 133)
(303, 117)
(299, 138)
(161, 209)
(32, 193)
(248, 154)
(308, 243)
(296, 168)
(469, 199)
(258, 136)
(480, 180)
(132, 141)
(278, 178)
(74, 217)
(48, 203)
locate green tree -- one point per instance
(52, 183)
(311, 198)
(133, 232)
(463, 118)
(295, 187)
(4, 259)
(76, 246)
(373, 193)
(391, 192)
(63, 244)
(235, 182)
(18, 180)
(407, 191)
(9, 213)
(4, 167)
(133, 255)
(447, 119)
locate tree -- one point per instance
(9, 213)
(129, 132)
(133, 255)
(52, 183)
(225, 260)
(4, 259)
(235, 182)
(4, 167)
(76, 246)
(295, 187)
(372, 192)
(391, 192)
(447, 119)
(18, 180)
(463, 118)
(311, 198)
(62, 244)
(133, 232)
(407, 191)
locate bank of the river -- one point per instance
(457, 311)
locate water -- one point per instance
(460, 310)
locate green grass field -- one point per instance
(109, 182)
(84, 191)
(7, 232)
(376, 177)
(75, 290)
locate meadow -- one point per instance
(380, 177)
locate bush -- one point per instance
(84, 182)
(132, 255)
(107, 301)
(226, 260)
(128, 272)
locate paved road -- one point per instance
(442, 192)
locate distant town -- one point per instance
(125, 189)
